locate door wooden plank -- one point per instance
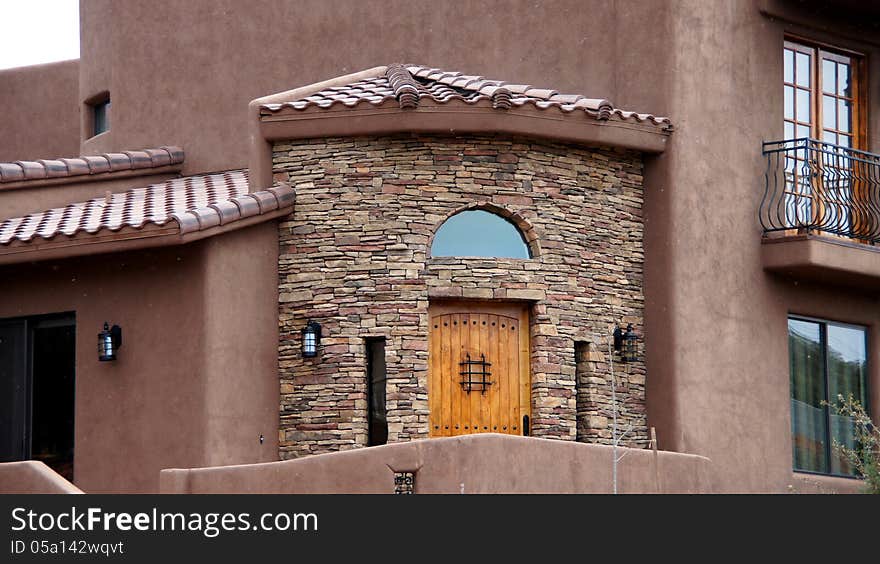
(448, 352)
(474, 347)
(500, 364)
(452, 374)
(435, 391)
(511, 368)
(485, 396)
(525, 394)
(494, 352)
(461, 394)
(432, 375)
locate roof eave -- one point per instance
(575, 127)
(150, 236)
(99, 177)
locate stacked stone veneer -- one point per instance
(355, 256)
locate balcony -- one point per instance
(820, 212)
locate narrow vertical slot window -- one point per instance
(376, 378)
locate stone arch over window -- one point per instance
(484, 230)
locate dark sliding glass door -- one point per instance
(37, 390)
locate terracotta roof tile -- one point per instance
(81, 166)
(410, 84)
(195, 203)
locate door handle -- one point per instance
(525, 426)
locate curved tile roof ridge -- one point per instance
(42, 169)
(195, 203)
(405, 88)
(410, 83)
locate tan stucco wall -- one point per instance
(240, 329)
(32, 477)
(194, 382)
(473, 464)
(40, 111)
(183, 72)
(716, 341)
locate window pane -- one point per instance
(847, 368)
(789, 130)
(829, 137)
(803, 105)
(376, 396)
(788, 97)
(788, 65)
(829, 80)
(54, 375)
(843, 117)
(829, 112)
(101, 117)
(803, 69)
(803, 131)
(843, 80)
(844, 140)
(478, 233)
(808, 416)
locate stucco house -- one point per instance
(230, 246)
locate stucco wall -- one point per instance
(355, 257)
(473, 464)
(142, 412)
(195, 380)
(40, 111)
(716, 339)
(32, 477)
(191, 87)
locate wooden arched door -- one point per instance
(478, 362)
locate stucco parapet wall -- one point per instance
(33, 477)
(827, 260)
(174, 212)
(479, 464)
(108, 166)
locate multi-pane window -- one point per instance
(826, 361)
(822, 101)
(820, 92)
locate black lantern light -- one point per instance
(109, 341)
(625, 343)
(311, 338)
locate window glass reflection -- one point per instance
(478, 233)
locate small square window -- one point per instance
(100, 117)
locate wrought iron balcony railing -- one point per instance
(813, 186)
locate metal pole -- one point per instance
(613, 421)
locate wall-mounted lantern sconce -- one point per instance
(311, 338)
(625, 343)
(109, 341)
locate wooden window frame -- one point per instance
(858, 135)
(859, 68)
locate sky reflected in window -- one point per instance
(479, 233)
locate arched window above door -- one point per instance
(479, 233)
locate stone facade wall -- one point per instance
(355, 257)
